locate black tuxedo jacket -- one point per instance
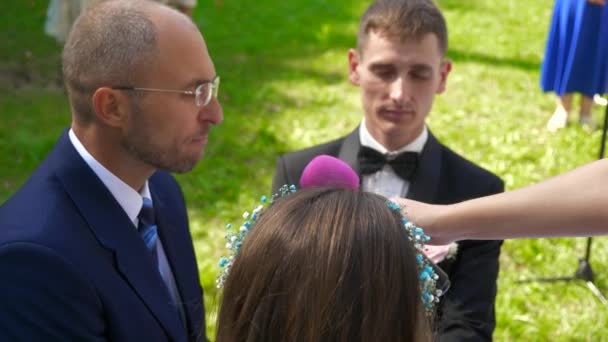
(74, 267)
(466, 312)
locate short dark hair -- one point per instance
(324, 264)
(108, 45)
(403, 19)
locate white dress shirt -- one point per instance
(385, 182)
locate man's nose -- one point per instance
(212, 112)
(399, 90)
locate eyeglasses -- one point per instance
(202, 94)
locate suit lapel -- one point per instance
(112, 227)
(425, 185)
(181, 265)
(349, 150)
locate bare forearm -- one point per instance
(573, 204)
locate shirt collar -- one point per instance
(130, 200)
(416, 145)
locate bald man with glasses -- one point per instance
(96, 246)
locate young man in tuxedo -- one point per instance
(95, 246)
(399, 65)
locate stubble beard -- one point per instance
(140, 143)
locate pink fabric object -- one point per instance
(325, 170)
(437, 253)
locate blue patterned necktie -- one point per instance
(149, 233)
(148, 230)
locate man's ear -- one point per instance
(110, 106)
(444, 71)
(353, 65)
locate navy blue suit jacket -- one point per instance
(74, 267)
(466, 311)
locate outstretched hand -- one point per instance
(597, 2)
(425, 216)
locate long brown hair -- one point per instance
(324, 265)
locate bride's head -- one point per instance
(324, 265)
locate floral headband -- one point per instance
(428, 276)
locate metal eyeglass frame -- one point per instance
(214, 85)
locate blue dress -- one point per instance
(576, 57)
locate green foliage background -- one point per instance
(284, 87)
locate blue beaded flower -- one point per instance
(234, 239)
(428, 277)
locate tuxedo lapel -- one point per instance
(350, 149)
(424, 186)
(115, 231)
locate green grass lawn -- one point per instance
(284, 87)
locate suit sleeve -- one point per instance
(44, 298)
(468, 307)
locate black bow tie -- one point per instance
(371, 161)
